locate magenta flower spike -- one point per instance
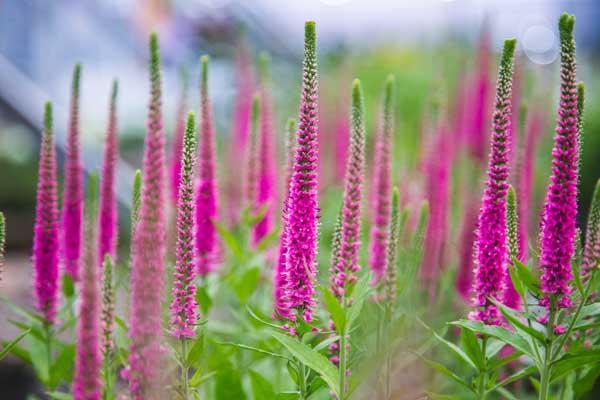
(72, 207)
(183, 305)
(148, 261)
(206, 194)
(252, 159)
(560, 208)
(591, 250)
(239, 142)
(45, 234)
(490, 247)
(382, 175)
(438, 165)
(178, 133)
(280, 302)
(266, 192)
(108, 228)
(303, 207)
(344, 272)
(87, 382)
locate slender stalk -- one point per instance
(547, 364)
(388, 355)
(482, 387)
(48, 331)
(575, 319)
(185, 369)
(533, 342)
(302, 381)
(343, 364)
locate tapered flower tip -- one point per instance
(523, 109)
(357, 95)
(264, 60)
(115, 90)
(48, 118)
(395, 196)
(596, 197)
(291, 125)
(76, 79)
(2, 232)
(191, 125)
(154, 55)
(508, 52)
(136, 194)
(566, 23)
(204, 60)
(390, 92)
(510, 197)
(91, 194)
(255, 109)
(310, 34)
(580, 97)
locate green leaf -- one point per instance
(516, 376)
(9, 346)
(437, 396)
(325, 343)
(255, 349)
(68, 286)
(287, 396)
(267, 240)
(454, 349)
(528, 278)
(229, 385)
(203, 299)
(39, 357)
(259, 319)
(444, 370)
(585, 383)
(261, 387)
(59, 396)
(246, 283)
(335, 309)
(516, 281)
(359, 295)
(493, 347)
(577, 275)
(230, 240)
(200, 378)
(62, 369)
(195, 352)
(312, 359)
(508, 337)
(22, 311)
(515, 319)
(470, 344)
(498, 362)
(574, 360)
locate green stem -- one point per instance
(185, 370)
(302, 379)
(388, 355)
(482, 387)
(107, 365)
(575, 318)
(533, 341)
(547, 364)
(48, 338)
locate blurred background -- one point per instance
(428, 44)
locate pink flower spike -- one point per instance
(183, 305)
(382, 172)
(87, 382)
(72, 211)
(108, 228)
(346, 259)
(303, 207)
(45, 234)
(206, 192)
(560, 208)
(491, 242)
(178, 133)
(266, 190)
(148, 259)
